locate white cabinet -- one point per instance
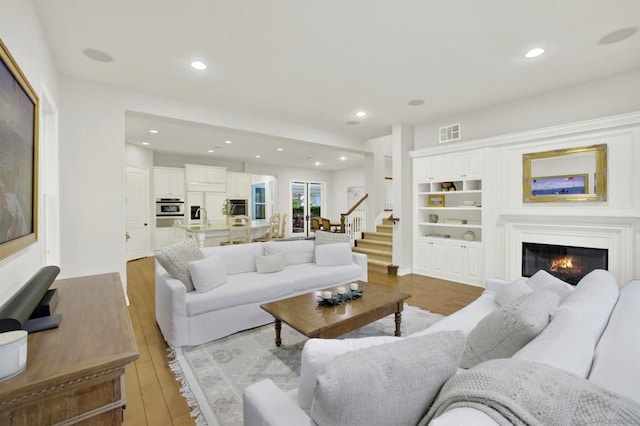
(464, 262)
(448, 259)
(168, 182)
(238, 185)
(449, 167)
(430, 258)
(205, 178)
(210, 201)
(431, 168)
(164, 237)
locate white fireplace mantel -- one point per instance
(612, 233)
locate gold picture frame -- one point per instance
(436, 200)
(571, 174)
(18, 159)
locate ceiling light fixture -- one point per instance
(280, 149)
(210, 150)
(343, 158)
(153, 131)
(200, 66)
(258, 156)
(534, 52)
(145, 143)
(227, 142)
(317, 163)
(361, 114)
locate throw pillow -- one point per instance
(334, 254)
(390, 384)
(175, 259)
(269, 264)
(505, 331)
(510, 292)
(208, 273)
(542, 280)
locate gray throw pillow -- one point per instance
(175, 259)
(389, 384)
(269, 264)
(505, 331)
(510, 292)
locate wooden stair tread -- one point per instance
(375, 243)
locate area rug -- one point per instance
(213, 375)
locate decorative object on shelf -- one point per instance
(469, 203)
(436, 200)
(469, 236)
(456, 221)
(448, 186)
(337, 299)
(433, 218)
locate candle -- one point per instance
(341, 290)
(327, 295)
(353, 286)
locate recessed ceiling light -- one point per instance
(343, 158)
(352, 123)
(416, 102)
(228, 142)
(210, 150)
(97, 55)
(534, 52)
(617, 36)
(153, 131)
(258, 156)
(317, 163)
(200, 66)
(280, 149)
(361, 114)
(145, 143)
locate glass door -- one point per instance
(307, 202)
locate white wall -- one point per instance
(337, 190)
(168, 159)
(20, 32)
(602, 98)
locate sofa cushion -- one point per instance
(619, 346)
(269, 263)
(325, 237)
(393, 383)
(334, 254)
(175, 259)
(542, 280)
(295, 252)
(207, 273)
(310, 276)
(239, 258)
(569, 340)
(505, 331)
(510, 292)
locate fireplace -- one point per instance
(567, 263)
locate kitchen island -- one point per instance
(215, 233)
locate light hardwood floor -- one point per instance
(153, 394)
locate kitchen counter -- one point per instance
(214, 233)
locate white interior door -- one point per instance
(138, 234)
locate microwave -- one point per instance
(169, 207)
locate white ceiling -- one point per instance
(315, 63)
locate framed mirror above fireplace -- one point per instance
(571, 174)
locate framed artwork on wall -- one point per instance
(18, 158)
(354, 194)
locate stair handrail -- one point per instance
(353, 223)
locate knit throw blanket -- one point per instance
(518, 392)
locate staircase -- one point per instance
(378, 246)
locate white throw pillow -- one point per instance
(208, 273)
(505, 331)
(270, 264)
(324, 237)
(295, 252)
(334, 254)
(391, 384)
(510, 292)
(175, 258)
(542, 280)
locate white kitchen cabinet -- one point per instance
(238, 185)
(164, 237)
(168, 182)
(205, 178)
(210, 201)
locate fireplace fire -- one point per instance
(567, 263)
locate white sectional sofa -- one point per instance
(592, 334)
(188, 318)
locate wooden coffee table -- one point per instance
(302, 313)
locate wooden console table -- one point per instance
(75, 372)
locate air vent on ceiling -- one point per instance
(450, 133)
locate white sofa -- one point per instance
(592, 333)
(188, 318)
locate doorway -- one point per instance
(306, 201)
